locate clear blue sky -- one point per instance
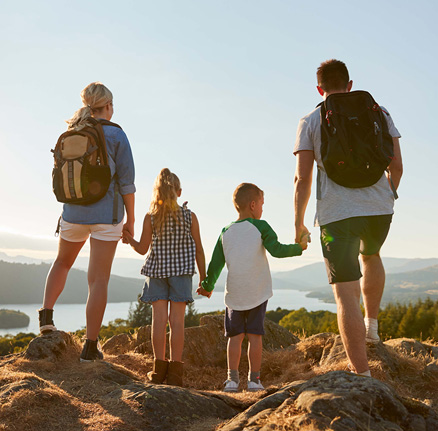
(213, 90)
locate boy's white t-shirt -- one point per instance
(242, 247)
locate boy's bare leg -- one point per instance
(255, 346)
(372, 284)
(67, 253)
(99, 271)
(176, 322)
(351, 324)
(234, 350)
(159, 324)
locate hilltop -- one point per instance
(307, 387)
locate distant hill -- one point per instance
(401, 287)
(24, 284)
(315, 275)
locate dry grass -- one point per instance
(72, 396)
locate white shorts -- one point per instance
(74, 232)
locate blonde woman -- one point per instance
(171, 234)
(102, 221)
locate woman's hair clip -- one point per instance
(160, 202)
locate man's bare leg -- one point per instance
(351, 324)
(372, 285)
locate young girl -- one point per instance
(171, 234)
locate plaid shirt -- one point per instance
(173, 251)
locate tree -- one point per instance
(140, 315)
(191, 317)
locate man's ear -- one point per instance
(349, 86)
(252, 205)
(320, 90)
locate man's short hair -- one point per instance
(332, 75)
(244, 194)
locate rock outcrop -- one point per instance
(203, 345)
(48, 388)
(53, 347)
(338, 401)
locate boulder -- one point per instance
(339, 401)
(119, 344)
(411, 347)
(203, 345)
(207, 345)
(52, 347)
(170, 407)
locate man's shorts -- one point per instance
(74, 232)
(245, 321)
(342, 241)
(176, 289)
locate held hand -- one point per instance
(303, 243)
(201, 291)
(301, 234)
(128, 227)
(126, 237)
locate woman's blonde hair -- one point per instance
(94, 97)
(164, 198)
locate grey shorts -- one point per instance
(343, 240)
(176, 289)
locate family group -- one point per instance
(355, 145)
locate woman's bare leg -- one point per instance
(55, 282)
(99, 271)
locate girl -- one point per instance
(172, 233)
(96, 220)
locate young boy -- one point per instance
(241, 246)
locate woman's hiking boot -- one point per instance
(45, 316)
(159, 372)
(175, 373)
(91, 352)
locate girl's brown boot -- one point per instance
(175, 373)
(159, 372)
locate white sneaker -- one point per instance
(254, 387)
(230, 386)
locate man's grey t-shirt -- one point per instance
(334, 202)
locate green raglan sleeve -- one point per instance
(215, 266)
(271, 243)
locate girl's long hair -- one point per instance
(94, 97)
(164, 198)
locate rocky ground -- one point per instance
(307, 387)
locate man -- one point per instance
(353, 221)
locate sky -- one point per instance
(214, 91)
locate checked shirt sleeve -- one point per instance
(215, 266)
(271, 243)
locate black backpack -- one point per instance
(356, 147)
(81, 173)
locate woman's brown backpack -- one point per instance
(81, 174)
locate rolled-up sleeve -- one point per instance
(125, 165)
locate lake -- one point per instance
(70, 317)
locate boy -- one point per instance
(241, 246)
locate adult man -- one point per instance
(352, 221)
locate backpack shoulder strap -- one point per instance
(108, 123)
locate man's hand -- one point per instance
(302, 234)
(201, 291)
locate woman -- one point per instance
(78, 222)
